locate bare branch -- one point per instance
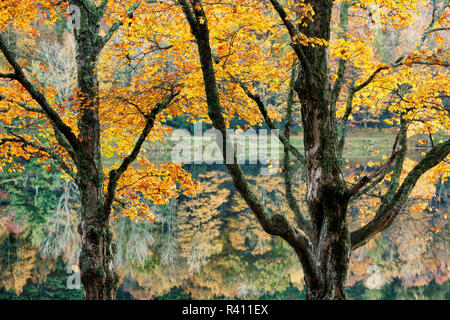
(52, 115)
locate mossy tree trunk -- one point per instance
(98, 274)
(326, 189)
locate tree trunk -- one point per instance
(326, 188)
(327, 197)
(98, 274)
(331, 256)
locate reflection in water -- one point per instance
(62, 238)
(211, 246)
(376, 280)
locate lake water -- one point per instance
(211, 246)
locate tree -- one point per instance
(323, 242)
(75, 131)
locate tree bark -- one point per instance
(332, 254)
(98, 274)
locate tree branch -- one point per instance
(52, 115)
(338, 84)
(102, 7)
(399, 148)
(116, 25)
(400, 61)
(23, 105)
(54, 155)
(189, 16)
(436, 17)
(293, 34)
(390, 209)
(366, 179)
(257, 99)
(114, 175)
(292, 202)
(351, 94)
(8, 76)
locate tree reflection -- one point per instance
(211, 246)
